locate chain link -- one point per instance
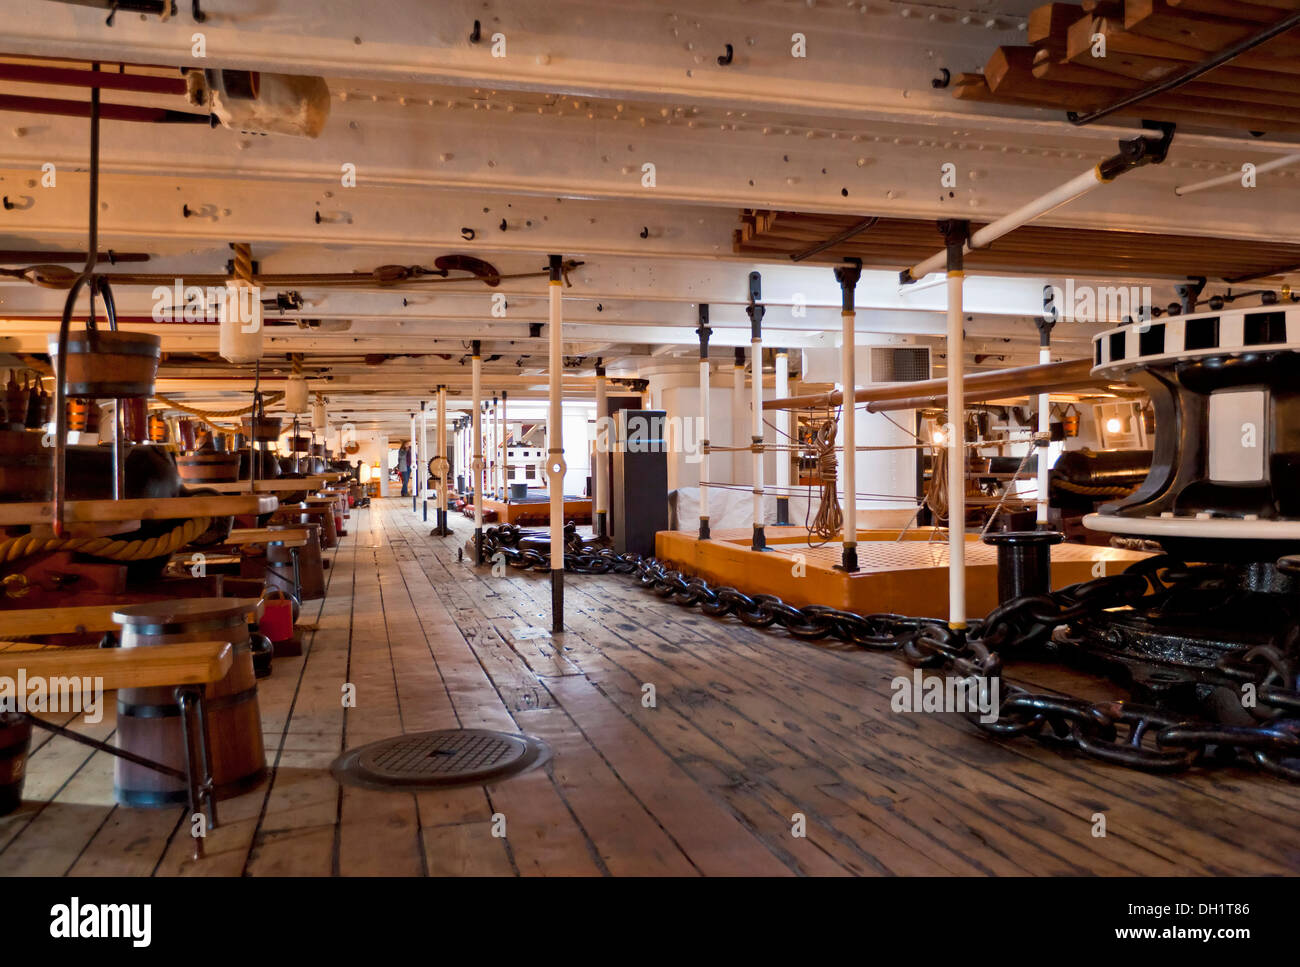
(1143, 737)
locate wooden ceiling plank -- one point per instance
(1203, 32)
(1145, 69)
(1048, 26)
(1120, 41)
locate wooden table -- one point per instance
(162, 508)
(275, 485)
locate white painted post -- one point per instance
(555, 445)
(704, 332)
(476, 363)
(782, 390)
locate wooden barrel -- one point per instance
(208, 466)
(311, 571)
(26, 467)
(15, 742)
(103, 364)
(299, 444)
(267, 429)
(135, 414)
(83, 416)
(323, 514)
(148, 719)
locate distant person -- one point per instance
(404, 466)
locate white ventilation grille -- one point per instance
(899, 364)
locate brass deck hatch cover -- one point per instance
(449, 757)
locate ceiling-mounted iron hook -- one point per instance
(725, 59)
(476, 34)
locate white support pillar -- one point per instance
(783, 435)
(602, 454)
(421, 464)
(756, 311)
(505, 446)
(704, 332)
(555, 444)
(739, 425)
(410, 456)
(956, 435)
(476, 362)
(847, 276)
(1044, 434)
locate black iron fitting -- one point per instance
(704, 332)
(556, 266)
(1139, 151)
(754, 310)
(847, 276)
(477, 348)
(956, 233)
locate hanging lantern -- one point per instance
(318, 416)
(240, 325)
(295, 394)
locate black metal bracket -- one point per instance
(754, 310)
(704, 332)
(1139, 151)
(724, 60)
(847, 276)
(1189, 292)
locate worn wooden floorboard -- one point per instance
(680, 745)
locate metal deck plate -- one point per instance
(438, 760)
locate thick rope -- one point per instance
(267, 400)
(106, 547)
(1075, 488)
(829, 519)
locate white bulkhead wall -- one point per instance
(887, 477)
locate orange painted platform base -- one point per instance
(534, 512)
(908, 576)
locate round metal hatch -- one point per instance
(438, 760)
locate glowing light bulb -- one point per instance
(938, 438)
(1113, 425)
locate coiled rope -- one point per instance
(111, 548)
(829, 519)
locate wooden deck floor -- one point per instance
(750, 728)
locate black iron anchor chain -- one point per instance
(1146, 737)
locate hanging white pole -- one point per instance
(848, 276)
(555, 446)
(782, 391)
(602, 454)
(1235, 177)
(476, 364)
(704, 332)
(1148, 147)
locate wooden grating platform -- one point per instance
(524, 512)
(907, 576)
(749, 727)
